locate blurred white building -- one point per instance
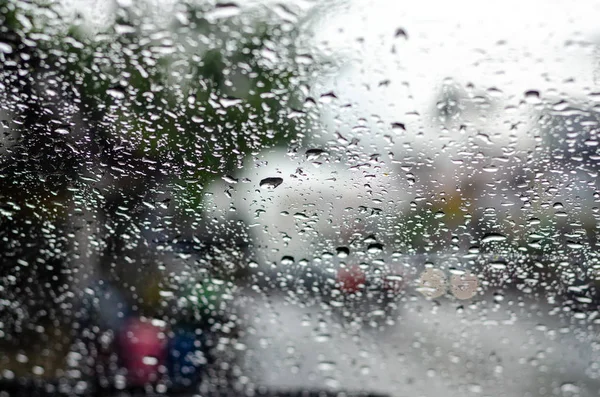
(321, 204)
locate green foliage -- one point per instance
(194, 97)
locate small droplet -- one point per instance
(313, 154)
(375, 248)
(117, 93)
(22, 358)
(498, 265)
(498, 297)
(327, 97)
(148, 360)
(223, 11)
(490, 168)
(326, 366)
(230, 179)
(63, 130)
(401, 33)
(271, 183)
(370, 239)
(287, 260)
(342, 252)
(569, 388)
(322, 338)
(532, 96)
(398, 127)
(493, 237)
(5, 48)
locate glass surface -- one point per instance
(268, 197)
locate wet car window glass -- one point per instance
(299, 198)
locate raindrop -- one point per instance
(370, 239)
(342, 252)
(569, 388)
(117, 93)
(222, 11)
(287, 260)
(493, 237)
(401, 33)
(230, 179)
(322, 338)
(398, 127)
(375, 248)
(64, 130)
(229, 102)
(22, 358)
(327, 97)
(498, 265)
(560, 106)
(271, 183)
(532, 96)
(495, 92)
(491, 169)
(313, 154)
(326, 366)
(5, 48)
(148, 360)
(123, 29)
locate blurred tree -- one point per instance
(128, 118)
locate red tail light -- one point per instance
(143, 350)
(351, 279)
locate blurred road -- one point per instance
(508, 347)
(496, 346)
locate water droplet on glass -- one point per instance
(398, 127)
(322, 338)
(287, 260)
(327, 97)
(223, 11)
(326, 366)
(375, 248)
(5, 48)
(63, 131)
(342, 252)
(401, 33)
(569, 388)
(313, 154)
(532, 96)
(493, 237)
(271, 183)
(498, 265)
(117, 93)
(230, 179)
(148, 360)
(490, 168)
